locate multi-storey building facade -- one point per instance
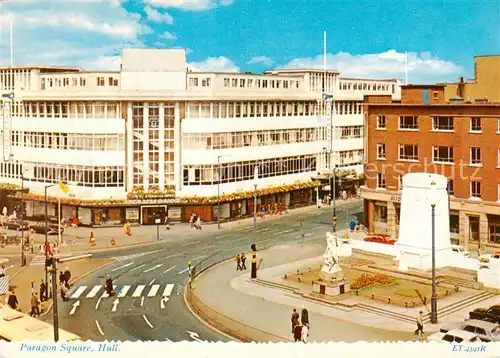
(158, 137)
(424, 133)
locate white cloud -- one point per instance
(216, 64)
(422, 68)
(264, 60)
(155, 16)
(190, 5)
(168, 36)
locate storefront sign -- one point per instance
(396, 198)
(174, 213)
(132, 214)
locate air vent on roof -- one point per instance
(481, 100)
(456, 100)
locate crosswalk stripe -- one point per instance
(94, 291)
(168, 290)
(79, 291)
(154, 290)
(138, 291)
(105, 294)
(123, 291)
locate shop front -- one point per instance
(108, 216)
(150, 213)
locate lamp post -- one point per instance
(218, 188)
(254, 236)
(47, 242)
(434, 296)
(23, 256)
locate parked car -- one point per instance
(16, 224)
(453, 336)
(460, 250)
(484, 260)
(486, 331)
(381, 239)
(40, 228)
(491, 314)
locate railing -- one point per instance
(218, 320)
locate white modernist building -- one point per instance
(158, 128)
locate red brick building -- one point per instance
(424, 133)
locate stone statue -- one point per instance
(331, 254)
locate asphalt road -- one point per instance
(141, 276)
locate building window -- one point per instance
(475, 124)
(442, 154)
(475, 156)
(442, 123)
(473, 228)
(494, 229)
(475, 189)
(381, 213)
(408, 152)
(408, 122)
(381, 181)
(381, 123)
(451, 187)
(193, 82)
(380, 150)
(205, 82)
(100, 81)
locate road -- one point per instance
(141, 279)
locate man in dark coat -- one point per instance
(304, 316)
(12, 301)
(42, 291)
(67, 277)
(295, 320)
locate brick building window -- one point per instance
(494, 229)
(381, 123)
(442, 124)
(380, 150)
(475, 124)
(475, 189)
(442, 154)
(451, 187)
(408, 122)
(475, 156)
(381, 181)
(408, 152)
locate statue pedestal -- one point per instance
(331, 288)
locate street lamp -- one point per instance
(218, 187)
(253, 247)
(47, 242)
(434, 296)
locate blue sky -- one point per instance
(364, 38)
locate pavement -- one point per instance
(145, 275)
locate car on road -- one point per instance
(485, 260)
(491, 314)
(51, 228)
(381, 239)
(486, 331)
(453, 336)
(460, 250)
(16, 224)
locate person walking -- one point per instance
(243, 260)
(167, 223)
(297, 332)
(305, 332)
(295, 320)
(192, 220)
(12, 301)
(67, 277)
(92, 239)
(2, 271)
(304, 316)
(420, 325)
(35, 305)
(62, 279)
(198, 223)
(42, 291)
(238, 262)
(64, 293)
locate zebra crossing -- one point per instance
(38, 260)
(138, 291)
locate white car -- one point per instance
(484, 260)
(453, 336)
(485, 331)
(460, 250)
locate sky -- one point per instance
(365, 38)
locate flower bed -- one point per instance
(366, 280)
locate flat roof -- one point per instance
(37, 67)
(380, 104)
(423, 86)
(301, 70)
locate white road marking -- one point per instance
(138, 291)
(260, 242)
(163, 301)
(248, 227)
(168, 290)
(199, 257)
(93, 291)
(138, 267)
(193, 243)
(310, 234)
(260, 230)
(153, 268)
(284, 232)
(121, 267)
(97, 304)
(99, 328)
(180, 273)
(142, 301)
(228, 234)
(168, 340)
(154, 290)
(79, 292)
(240, 239)
(152, 281)
(148, 323)
(75, 306)
(115, 304)
(171, 268)
(123, 291)
(106, 295)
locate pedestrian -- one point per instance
(304, 317)
(198, 223)
(305, 332)
(12, 301)
(42, 291)
(295, 320)
(243, 260)
(62, 279)
(35, 305)
(263, 212)
(192, 220)
(2, 271)
(92, 239)
(297, 332)
(420, 324)
(238, 262)
(64, 293)
(167, 223)
(67, 276)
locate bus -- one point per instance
(17, 326)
